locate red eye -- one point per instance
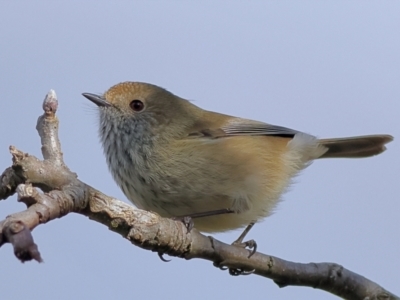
(136, 105)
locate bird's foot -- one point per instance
(250, 244)
(187, 221)
(233, 271)
(237, 271)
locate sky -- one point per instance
(329, 68)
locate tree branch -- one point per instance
(63, 193)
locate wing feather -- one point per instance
(242, 127)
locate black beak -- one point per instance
(96, 99)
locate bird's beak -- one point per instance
(96, 99)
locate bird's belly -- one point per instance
(249, 203)
(174, 204)
(249, 185)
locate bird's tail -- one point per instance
(355, 147)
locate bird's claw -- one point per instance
(233, 271)
(160, 255)
(187, 221)
(237, 272)
(220, 266)
(250, 244)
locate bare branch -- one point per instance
(64, 193)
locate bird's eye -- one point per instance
(136, 105)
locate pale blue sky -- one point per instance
(330, 68)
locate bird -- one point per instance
(174, 158)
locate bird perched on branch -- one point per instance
(174, 158)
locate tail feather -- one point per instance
(355, 147)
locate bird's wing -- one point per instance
(243, 127)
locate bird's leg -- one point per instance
(188, 219)
(251, 244)
(238, 242)
(211, 213)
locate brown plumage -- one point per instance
(174, 158)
